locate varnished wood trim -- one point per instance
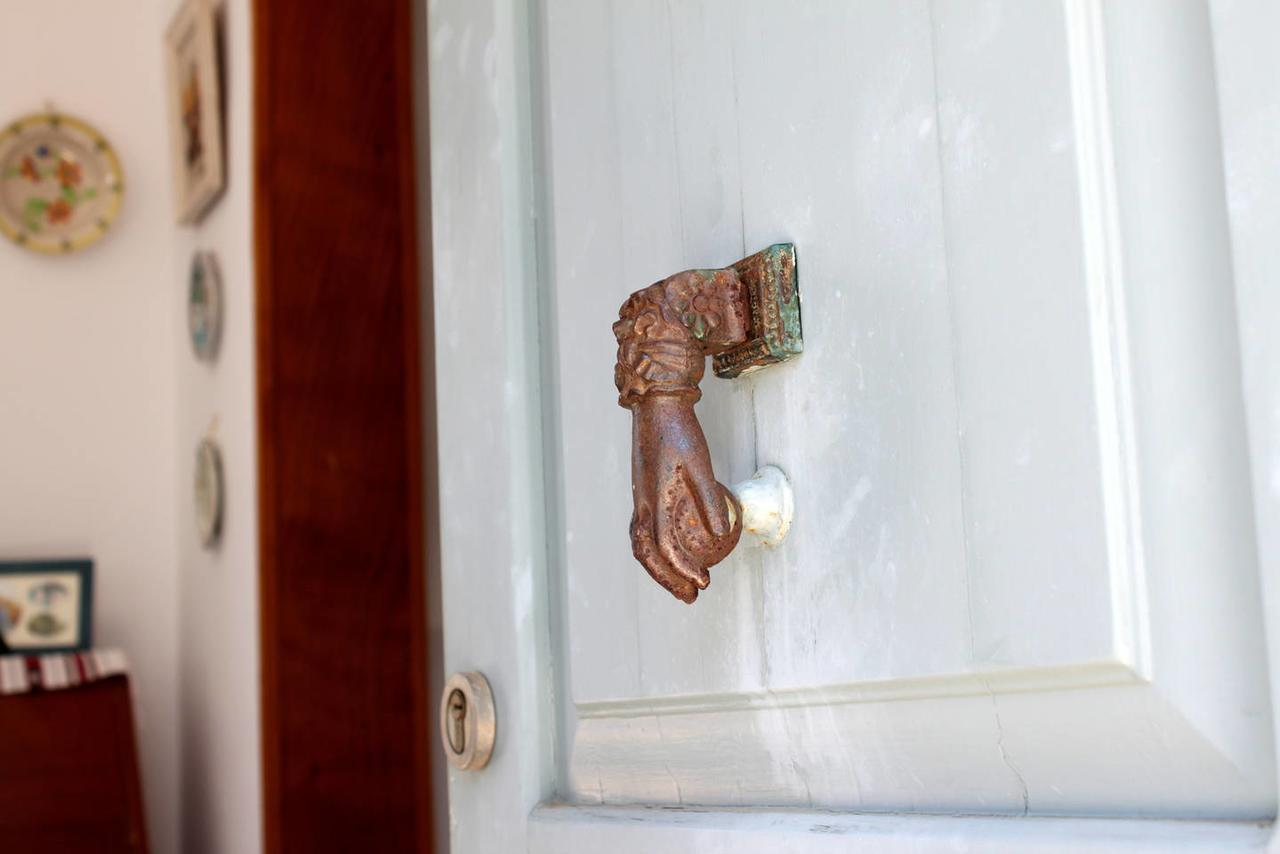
(340, 414)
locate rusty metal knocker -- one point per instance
(745, 316)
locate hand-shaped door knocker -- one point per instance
(746, 316)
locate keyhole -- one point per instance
(457, 722)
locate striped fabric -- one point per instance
(22, 673)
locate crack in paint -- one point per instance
(1004, 754)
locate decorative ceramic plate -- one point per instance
(60, 183)
(204, 305)
(209, 492)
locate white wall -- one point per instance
(102, 404)
(88, 462)
(219, 676)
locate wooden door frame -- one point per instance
(345, 715)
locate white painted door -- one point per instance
(1020, 605)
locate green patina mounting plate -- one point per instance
(774, 291)
(61, 184)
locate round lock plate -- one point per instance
(467, 721)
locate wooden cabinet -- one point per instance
(69, 777)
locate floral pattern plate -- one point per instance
(204, 305)
(209, 492)
(60, 183)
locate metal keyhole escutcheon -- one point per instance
(457, 715)
(468, 723)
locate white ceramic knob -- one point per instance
(768, 505)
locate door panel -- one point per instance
(948, 382)
(1021, 578)
(966, 554)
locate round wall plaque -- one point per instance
(209, 492)
(61, 184)
(204, 305)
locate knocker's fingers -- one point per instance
(678, 528)
(717, 506)
(645, 549)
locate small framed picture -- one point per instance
(195, 109)
(46, 605)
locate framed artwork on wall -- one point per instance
(195, 109)
(46, 605)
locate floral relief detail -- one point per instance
(57, 211)
(59, 187)
(666, 331)
(69, 173)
